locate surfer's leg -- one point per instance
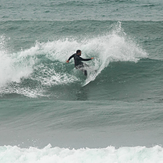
(85, 66)
(85, 72)
(81, 67)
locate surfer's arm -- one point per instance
(86, 59)
(70, 58)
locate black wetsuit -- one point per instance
(78, 62)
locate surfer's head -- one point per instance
(78, 52)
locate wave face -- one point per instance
(59, 155)
(39, 70)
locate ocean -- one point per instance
(50, 112)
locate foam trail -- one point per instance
(97, 155)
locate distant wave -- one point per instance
(97, 155)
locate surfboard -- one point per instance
(92, 74)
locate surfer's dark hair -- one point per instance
(78, 51)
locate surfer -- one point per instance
(78, 61)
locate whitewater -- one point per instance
(60, 155)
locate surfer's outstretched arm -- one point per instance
(70, 58)
(86, 59)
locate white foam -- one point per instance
(48, 76)
(113, 46)
(26, 91)
(110, 154)
(13, 66)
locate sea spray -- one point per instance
(113, 47)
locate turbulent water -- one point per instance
(50, 112)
